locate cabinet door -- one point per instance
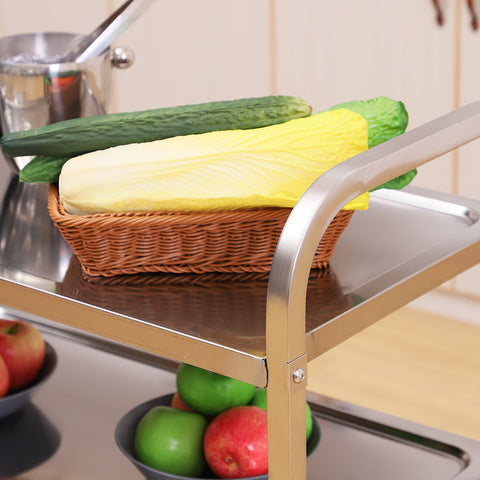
(28, 16)
(189, 51)
(468, 160)
(330, 52)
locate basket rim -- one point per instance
(58, 211)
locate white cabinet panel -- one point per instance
(189, 51)
(186, 51)
(329, 52)
(26, 16)
(468, 283)
(336, 51)
(469, 156)
(469, 170)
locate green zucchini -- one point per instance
(387, 118)
(81, 135)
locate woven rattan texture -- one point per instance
(181, 242)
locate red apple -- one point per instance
(235, 443)
(22, 347)
(4, 378)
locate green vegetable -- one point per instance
(387, 118)
(42, 169)
(399, 182)
(81, 135)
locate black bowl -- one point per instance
(125, 438)
(12, 402)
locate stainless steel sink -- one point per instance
(359, 444)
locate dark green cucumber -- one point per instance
(42, 169)
(81, 135)
(387, 118)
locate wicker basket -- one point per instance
(181, 242)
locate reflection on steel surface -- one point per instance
(222, 307)
(36, 89)
(29, 242)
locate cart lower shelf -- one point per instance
(70, 425)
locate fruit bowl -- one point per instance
(12, 402)
(125, 435)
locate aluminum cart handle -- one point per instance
(287, 288)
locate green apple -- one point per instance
(260, 400)
(210, 393)
(171, 440)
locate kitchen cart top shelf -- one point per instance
(405, 244)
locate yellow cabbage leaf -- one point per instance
(225, 170)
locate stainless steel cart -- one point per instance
(264, 330)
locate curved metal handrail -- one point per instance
(286, 295)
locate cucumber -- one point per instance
(81, 135)
(42, 169)
(387, 118)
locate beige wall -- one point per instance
(191, 51)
